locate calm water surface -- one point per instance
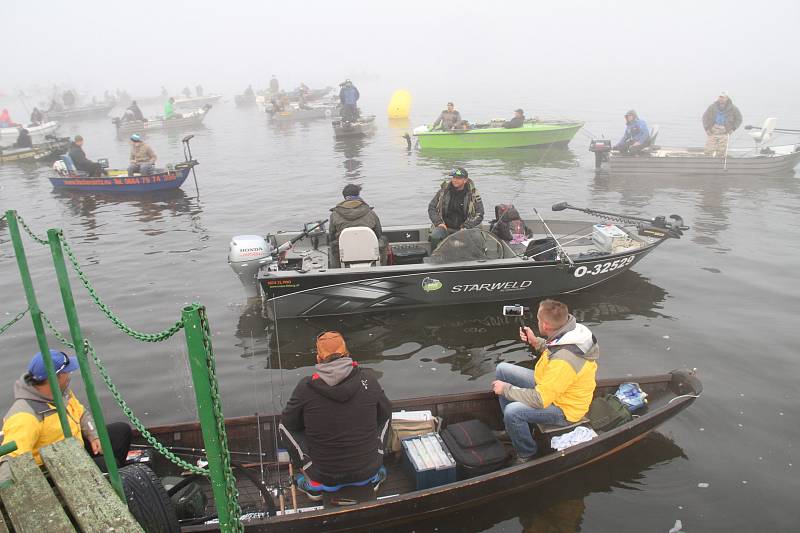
(724, 299)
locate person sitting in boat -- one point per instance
(456, 205)
(187, 92)
(336, 421)
(303, 89)
(136, 113)
(636, 137)
(169, 109)
(199, 90)
(720, 120)
(24, 139)
(560, 387)
(5, 119)
(32, 421)
(301, 102)
(348, 96)
(143, 158)
(249, 92)
(37, 117)
(517, 121)
(448, 119)
(68, 98)
(350, 213)
(80, 160)
(274, 86)
(55, 106)
(508, 224)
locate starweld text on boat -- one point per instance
(491, 287)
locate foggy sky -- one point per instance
(601, 53)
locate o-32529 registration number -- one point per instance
(602, 268)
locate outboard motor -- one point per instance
(601, 148)
(246, 255)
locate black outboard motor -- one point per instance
(601, 149)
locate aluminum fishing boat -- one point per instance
(295, 274)
(358, 128)
(193, 119)
(493, 135)
(196, 102)
(48, 150)
(38, 133)
(761, 160)
(75, 113)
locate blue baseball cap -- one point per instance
(61, 362)
(136, 137)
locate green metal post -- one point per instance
(8, 448)
(198, 362)
(54, 237)
(36, 317)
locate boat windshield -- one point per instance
(470, 245)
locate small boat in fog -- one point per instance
(357, 128)
(76, 113)
(493, 135)
(295, 274)
(185, 121)
(38, 133)
(48, 150)
(311, 112)
(654, 159)
(195, 102)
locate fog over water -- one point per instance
(723, 299)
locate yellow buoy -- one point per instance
(400, 104)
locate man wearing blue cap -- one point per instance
(32, 421)
(143, 158)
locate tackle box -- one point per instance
(428, 461)
(610, 238)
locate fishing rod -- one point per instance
(200, 452)
(778, 130)
(564, 254)
(303, 234)
(656, 227)
(190, 160)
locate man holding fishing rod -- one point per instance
(559, 389)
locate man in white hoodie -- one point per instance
(559, 389)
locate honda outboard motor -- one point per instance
(246, 255)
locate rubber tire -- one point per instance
(148, 500)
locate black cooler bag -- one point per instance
(475, 448)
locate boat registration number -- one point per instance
(602, 268)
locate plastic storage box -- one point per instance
(428, 461)
(610, 238)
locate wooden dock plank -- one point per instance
(89, 497)
(3, 527)
(30, 502)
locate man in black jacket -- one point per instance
(80, 160)
(517, 121)
(337, 420)
(456, 205)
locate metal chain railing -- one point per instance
(14, 320)
(151, 440)
(30, 232)
(230, 480)
(138, 335)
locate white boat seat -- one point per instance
(651, 142)
(358, 248)
(764, 134)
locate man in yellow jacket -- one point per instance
(32, 421)
(559, 389)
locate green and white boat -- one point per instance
(493, 135)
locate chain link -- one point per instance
(30, 232)
(151, 440)
(234, 510)
(138, 335)
(14, 320)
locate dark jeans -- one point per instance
(349, 112)
(95, 170)
(439, 234)
(120, 435)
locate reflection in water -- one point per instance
(714, 195)
(351, 148)
(471, 339)
(511, 161)
(558, 505)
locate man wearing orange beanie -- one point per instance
(337, 421)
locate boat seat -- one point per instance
(358, 248)
(552, 431)
(651, 142)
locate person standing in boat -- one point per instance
(199, 90)
(143, 158)
(720, 120)
(350, 213)
(32, 421)
(517, 121)
(24, 139)
(449, 118)
(561, 386)
(348, 97)
(37, 117)
(337, 421)
(80, 160)
(187, 92)
(636, 136)
(456, 205)
(274, 86)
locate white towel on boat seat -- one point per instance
(576, 436)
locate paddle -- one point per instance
(656, 226)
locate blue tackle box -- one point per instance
(428, 461)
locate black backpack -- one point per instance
(475, 448)
(607, 412)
